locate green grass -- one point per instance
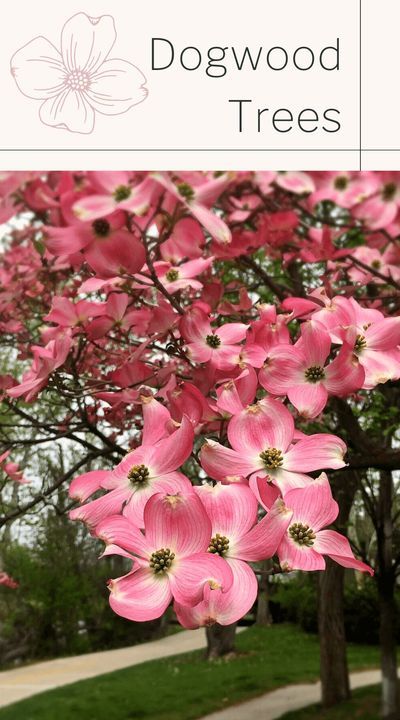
(186, 686)
(364, 705)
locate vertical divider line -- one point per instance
(360, 81)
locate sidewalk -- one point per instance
(23, 682)
(273, 705)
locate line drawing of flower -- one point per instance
(79, 80)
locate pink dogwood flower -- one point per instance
(149, 469)
(185, 242)
(375, 340)
(380, 209)
(115, 316)
(219, 346)
(179, 277)
(375, 260)
(107, 245)
(237, 537)
(12, 469)
(46, 360)
(305, 541)
(68, 314)
(80, 80)
(233, 396)
(262, 439)
(170, 559)
(196, 199)
(115, 191)
(303, 374)
(345, 189)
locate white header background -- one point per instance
(187, 122)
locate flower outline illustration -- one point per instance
(80, 79)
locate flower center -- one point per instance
(341, 182)
(122, 192)
(376, 264)
(101, 227)
(315, 373)
(219, 545)
(213, 341)
(360, 344)
(302, 534)
(78, 80)
(138, 475)
(272, 458)
(172, 275)
(161, 560)
(389, 191)
(185, 190)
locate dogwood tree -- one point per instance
(214, 343)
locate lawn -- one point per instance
(186, 686)
(364, 705)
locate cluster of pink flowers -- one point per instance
(126, 272)
(193, 544)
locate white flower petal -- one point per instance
(87, 41)
(116, 87)
(38, 69)
(68, 110)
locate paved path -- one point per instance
(273, 705)
(23, 682)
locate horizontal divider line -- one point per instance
(282, 150)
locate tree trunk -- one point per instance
(263, 616)
(386, 587)
(390, 699)
(333, 659)
(220, 640)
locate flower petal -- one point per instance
(117, 530)
(263, 539)
(171, 452)
(192, 572)
(284, 366)
(315, 343)
(224, 608)
(172, 483)
(338, 548)
(308, 398)
(214, 225)
(221, 462)
(267, 424)
(232, 509)
(140, 596)
(38, 70)
(384, 335)
(155, 418)
(85, 485)
(344, 374)
(86, 41)
(178, 522)
(109, 504)
(299, 557)
(119, 254)
(117, 86)
(286, 480)
(313, 505)
(265, 492)
(316, 452)
(66, 240)
(232, 333)
(68, 110)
